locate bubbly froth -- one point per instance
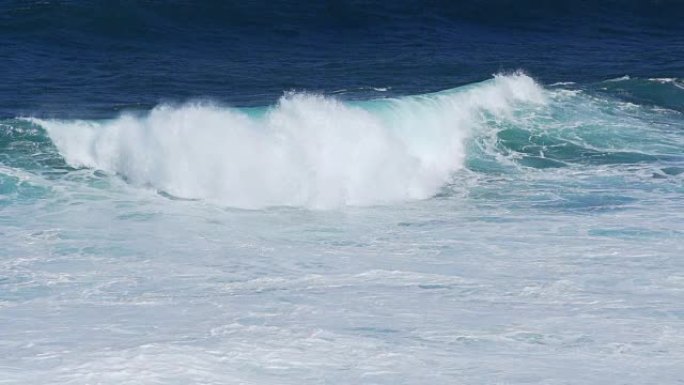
(307, 150)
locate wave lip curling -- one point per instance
(307, 150)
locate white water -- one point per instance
(122, 286)
(514, 275)
(308, 150)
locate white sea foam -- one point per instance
(620, 79)
(532, 271)
(663, 80)
(308, 150)
(557, 84)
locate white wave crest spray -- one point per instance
(308, 150)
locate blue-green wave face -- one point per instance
(505, 135)
(580, 128)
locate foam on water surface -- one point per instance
(307, 150)
(502, 232)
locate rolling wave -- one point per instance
(317, 151)
(661, 92)
(308, 150)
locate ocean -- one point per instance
(341, 192)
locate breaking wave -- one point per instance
(307, 150)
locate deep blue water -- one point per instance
(78, 58)
(358, 192)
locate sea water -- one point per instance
(336, 209)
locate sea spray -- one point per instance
(307, 150)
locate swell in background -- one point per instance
(93, 59)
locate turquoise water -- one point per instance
(502, 232)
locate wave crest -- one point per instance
(307, 150)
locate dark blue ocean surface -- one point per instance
(360, 192)
(92, 58)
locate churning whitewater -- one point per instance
(308, 150)
(502, 224)
(341, 192)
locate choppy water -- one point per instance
(306, 206)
